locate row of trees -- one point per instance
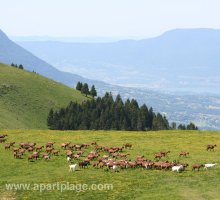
(190, 126)
(84, 88)
(105, 113)
(17, 66)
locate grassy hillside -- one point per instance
(25, 98)
(128, 183)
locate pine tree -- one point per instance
(50, 120)
(20, 66)
(79, 86)
(191, 126)
(106, 113)
(173, 125)
(182, 127)
(93, 91)
(160, 122)
(85, 89)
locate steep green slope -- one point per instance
(26, 98)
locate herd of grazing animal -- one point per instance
(112, 158)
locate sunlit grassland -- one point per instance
(128, 183)
(26, 98)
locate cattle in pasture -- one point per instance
(65, 145)
(111, 158)
(211, 147)
(128, 145)
(158, 156)
(197, 166)
(55, 152)
(183, 153)
(7, 146)
(49, 144)
(84, 164)
(30, 158)
(2, 140)
(164, 153)
(46, 157)
(3, 135)
(39, 148)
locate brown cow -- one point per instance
(127, 145)
(94, 143)
(183, 153)
(2, 140)
(7, 146)
(211, 147)
(158, 156)
(3, 135)
(12, 144)
(17, 155)
(30, 158)
(55, 152)
(64, 145)
(50, 144)
(164, 153)
(197, 166)
(49, 150)
(39, 148)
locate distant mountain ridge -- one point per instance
(185, 60)
(204, 110)
(10, 52)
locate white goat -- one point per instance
(68, 159)
(177, 168)
(208, 166)
(72, 167)
(115, 168)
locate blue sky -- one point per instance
(108, 18)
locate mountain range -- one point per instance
(202, 109)
(182, 60)
(11, 52)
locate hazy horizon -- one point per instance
(91, 39)
(101, 18)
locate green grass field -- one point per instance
(26, 98)
(128, 183)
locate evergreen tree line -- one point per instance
(190, 126)
(17, 66)
(84, 88)
(105, 113)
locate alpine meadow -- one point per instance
(110, 100)
(26, 98)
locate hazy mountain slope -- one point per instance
(204, 110)
(26, 98)
(178, 60)
(11, 52)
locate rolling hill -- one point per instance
(26, 98)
